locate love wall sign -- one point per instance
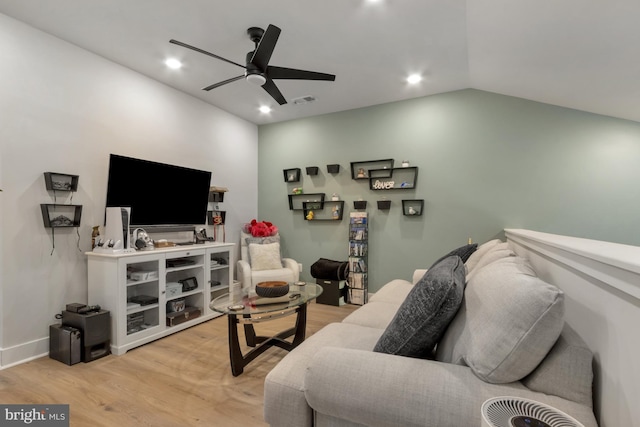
(380, 184)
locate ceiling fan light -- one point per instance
(256, 79)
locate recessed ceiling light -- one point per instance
(414, 78)
(173, 63)
(265, 109)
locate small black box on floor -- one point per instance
(333, 292)
(65, 343)
(96, 332)
(178, 317)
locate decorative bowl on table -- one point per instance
(272, 289)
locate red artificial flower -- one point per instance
(262, 228)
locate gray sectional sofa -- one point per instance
(506, 338)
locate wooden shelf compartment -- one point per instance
(296, 200)
(398, 179)
(361, 170)
(61, 181)
(55, 216)
(412, 207)
(330, 210)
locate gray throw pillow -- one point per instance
(426, 312)
(464, 252)
(507, 324)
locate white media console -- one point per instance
(141, 288)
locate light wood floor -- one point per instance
(181, 380)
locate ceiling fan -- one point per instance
(257, 69)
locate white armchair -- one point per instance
(288, 270)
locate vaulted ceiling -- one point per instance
(580, 54)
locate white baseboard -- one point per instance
(23, 353)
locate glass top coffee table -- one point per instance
(241, 308)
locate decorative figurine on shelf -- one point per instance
(412, 211)
(95, 232)
(334, 197)
(297, 190)
(362, 173)
(309, 216)
(335, 212)
(405, 163)
(292, 177)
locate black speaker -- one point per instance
(96, 332)
(333, 292)
(65, 344)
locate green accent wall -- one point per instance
(485, 162)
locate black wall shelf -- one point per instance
(330, 210)
(360, 170)
(291, 175)
(412, 207)
(384, 205)
(216, 217)
(312, 170)
(296, 200)
(216, 196)
(397, 179)
(333, 169)
(360, 204)
(56, 216)
(61, 181)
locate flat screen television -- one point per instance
(159, 194)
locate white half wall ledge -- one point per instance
(614, 264)
(601, 282)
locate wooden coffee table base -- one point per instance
(260, 343)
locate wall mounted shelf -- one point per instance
(330, 210)
(360, 204)
(413, 207)
(216, 217)
(216, 194)
(296, 200)
(291, 175)
(333, 169)
(384, 205)
(61, 181)
(312, 170)
(360, 170)
(398, 179)
(56, 216)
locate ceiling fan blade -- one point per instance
(273, 90)
(293, 74)
(204, 52)
(263, 52)
(215, 85)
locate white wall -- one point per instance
(601, 282)
(63, 109)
